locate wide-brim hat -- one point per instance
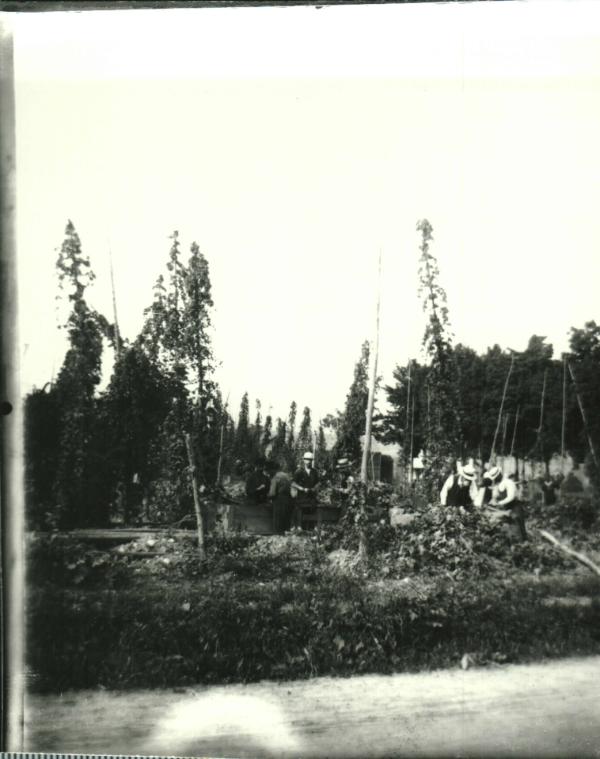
(467, 472)
(343, 463)
(308, 456)
(494, 473)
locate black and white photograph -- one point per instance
(303, 456)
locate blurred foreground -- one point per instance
(550, 709)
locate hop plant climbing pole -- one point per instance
(372, 383)
(362, 550)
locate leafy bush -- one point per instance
(366, 509)
(228, 631)
(442, 539)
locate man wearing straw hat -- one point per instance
(459, 489)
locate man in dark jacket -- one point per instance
(280, 496)
(549, 488)
(305, 484)
(258, 483)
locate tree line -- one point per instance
(531, 424)
(458, 403)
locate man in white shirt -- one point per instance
(504, 496)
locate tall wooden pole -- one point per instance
(493, 451)
(114, 302)
(412, 437)
(197, 506)
(223, 422)
(514, 436)
(541, 449)
(408, 389)
(428, 416)
(504, 429)
(362, 539)
(542, 402)
(373, 382)
(583, 416)
(564, 416)
(220, 453)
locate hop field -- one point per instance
(446, 585)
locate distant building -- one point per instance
(386, 463)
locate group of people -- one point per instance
(292, 498)
(492, 490)
(286, 494)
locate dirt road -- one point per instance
(550, 709)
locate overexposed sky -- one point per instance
(293, 144)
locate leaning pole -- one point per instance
(584, 417)
(493, 451)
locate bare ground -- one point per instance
(550, 709)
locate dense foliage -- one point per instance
(75, 387)
(94, 457)
(289, 607)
